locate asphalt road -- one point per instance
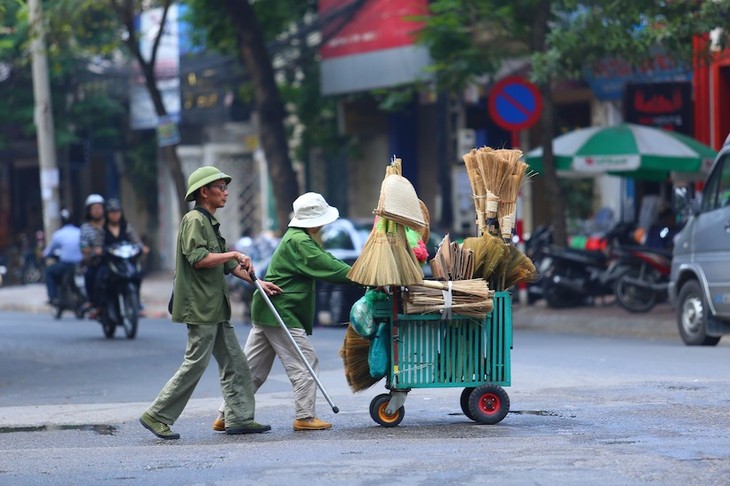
(613, 408)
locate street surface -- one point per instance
(588, 406)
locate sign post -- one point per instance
(515, 104)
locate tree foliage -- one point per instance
(471, 39)
(79, 100)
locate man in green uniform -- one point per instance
(298, 262)
(201, 301)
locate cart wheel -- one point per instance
(489, 404)
(377, 411)
(464, 402)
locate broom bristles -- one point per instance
(354, 353)
(376, 265)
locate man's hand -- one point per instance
(244, 261)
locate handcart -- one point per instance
(428, 351)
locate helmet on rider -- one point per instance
(91, 200)
(94, 199)
(65, 217)
(113, 204)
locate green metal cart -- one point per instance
(427, 351)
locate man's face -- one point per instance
(218, 193)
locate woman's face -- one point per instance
(96, 211)
(114, 216)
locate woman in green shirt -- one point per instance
(298, 262)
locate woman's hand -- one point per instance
(270, 288)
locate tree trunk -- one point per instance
(547, 122)
(270, 109)
(125, 11)
(557, 203)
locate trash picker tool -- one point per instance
(294, 343)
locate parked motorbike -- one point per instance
(71, 294)
(536, 248)
(120, 289)
(644, 280)
(570, 277)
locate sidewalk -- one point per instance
(155, 294)
(600, 320)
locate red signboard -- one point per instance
(377, 25)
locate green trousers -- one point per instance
(235, 378)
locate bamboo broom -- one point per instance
(406, 265)
(519, 268)
(376, 266)
(478, 187)
(468, 297)
(354, 353)
(510, 191)
(495, 169)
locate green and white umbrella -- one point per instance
(628, 150)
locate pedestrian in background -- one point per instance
(297, 263)
(201, 301)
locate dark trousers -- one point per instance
(92, 283)
(54, 273)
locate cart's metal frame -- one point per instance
(427, 351)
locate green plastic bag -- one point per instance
(379, 356)
(361, 313)
(361, 318)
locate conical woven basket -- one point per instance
(399, 202)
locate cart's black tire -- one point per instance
(377, 411)
(464, 402)
(489, 404)
(375, 400)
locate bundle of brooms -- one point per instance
(452, 261)
(495, 177)
(468, 297)
(386, 260)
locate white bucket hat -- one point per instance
(311, 211)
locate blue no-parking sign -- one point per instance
(514, 103)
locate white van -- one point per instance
(699, 287)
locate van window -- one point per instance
(717, 190)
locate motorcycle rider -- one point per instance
(92, 244)
(116, 230)
(65, 245)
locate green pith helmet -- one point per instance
(202, 176)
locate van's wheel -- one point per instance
(692, 316)
(489, 404)
(378, 413)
